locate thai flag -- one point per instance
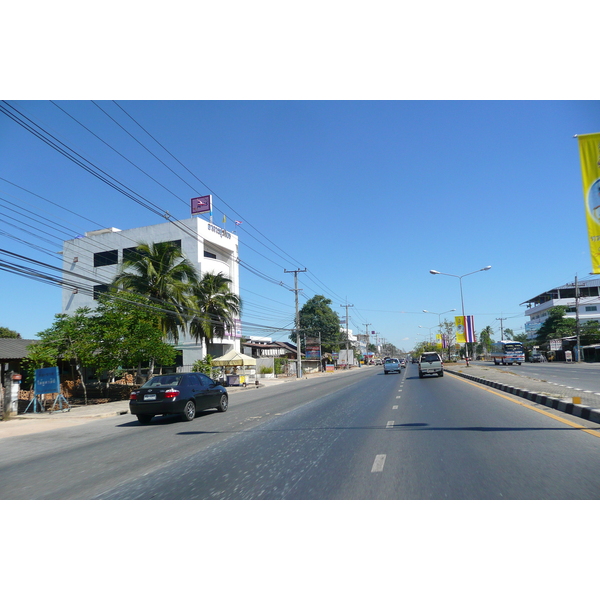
(470, 329)
(238, 222)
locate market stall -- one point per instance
(237, 367)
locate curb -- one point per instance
(577, 410)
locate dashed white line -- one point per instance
(378, 463)
(389, 424)
(395, 407)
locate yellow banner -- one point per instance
(459, 322)
(589, 154)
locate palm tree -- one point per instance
(162, 274)
(216, 308)
(486, 339)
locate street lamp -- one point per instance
(430, 328)
(439, 314)
(462, 303)
(440, 323)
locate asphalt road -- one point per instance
(364, 435)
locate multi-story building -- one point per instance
(586, 307)
(91, 262)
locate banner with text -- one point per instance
(589, 155)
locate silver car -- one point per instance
(391, 365)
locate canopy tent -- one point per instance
(234, 359)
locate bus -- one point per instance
(507, 352)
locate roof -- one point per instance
(14, 348)
(553, 293)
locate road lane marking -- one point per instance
(389, 424)
(538, 410)
(395, 407)
(378, 463)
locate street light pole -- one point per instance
(462, 302)
(440, 326)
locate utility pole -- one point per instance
(501, 319)
(368, 340)
(298, 340)
(347, 306)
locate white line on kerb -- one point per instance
(378, 463)
(390, 424)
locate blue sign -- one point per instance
(47, 381)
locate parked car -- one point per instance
(431, 364)
(391, 365)
(182, 394)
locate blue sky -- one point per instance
(366, 195)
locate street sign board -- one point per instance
(46, 381)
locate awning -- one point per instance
(234, 359)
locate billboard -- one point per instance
(202, 204)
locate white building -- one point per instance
(93, 261)
(565, 295)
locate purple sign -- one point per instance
(202, 204)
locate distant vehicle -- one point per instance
(378, 362)
(537, 357)
(508, 352)
(392, 365)
(182, 394)
(431, 363)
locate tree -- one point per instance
(161, 273)
(485, 339)
(127, 332)
(556, 326)
(215, 308)
(69, 338)
(317, 318)
(5, 332)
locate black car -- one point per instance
(182, 394)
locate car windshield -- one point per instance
(392, 360)
(163, 380)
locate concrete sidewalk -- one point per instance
(26, 424)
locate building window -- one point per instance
(209, 255)
(591, 308)
(99, 290)
(103, 259)
(130, 254)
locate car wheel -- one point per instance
(144, 419)
(420, 375)
(441, 374)
(189, 412)
(223, 403)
